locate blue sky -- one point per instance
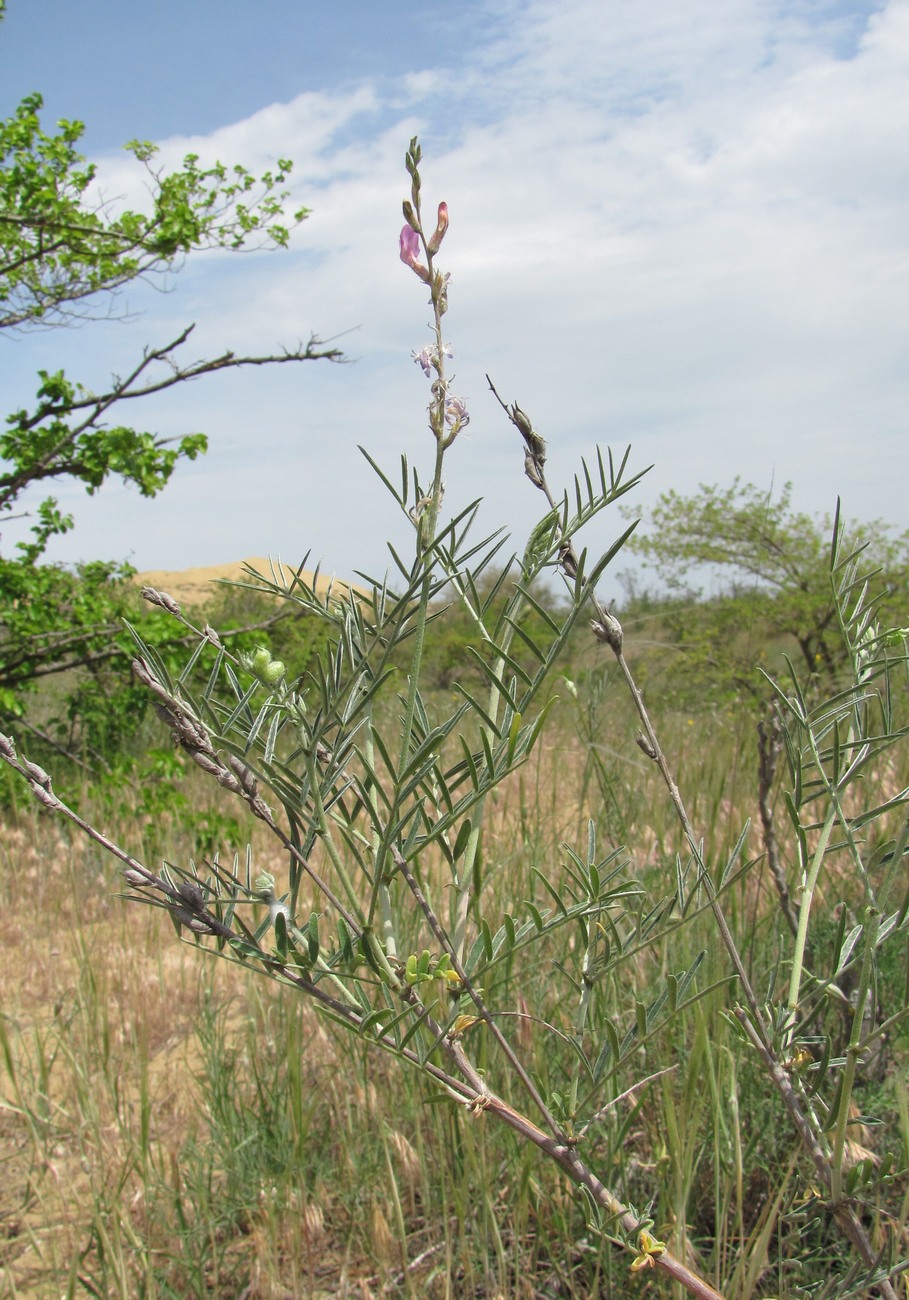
(679, 224)
(190, 66)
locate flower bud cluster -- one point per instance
(260, 663)
(447, 413)
(413, 241)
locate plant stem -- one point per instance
(426, 529)
(801, 938)
(326, 838)
(870, 928)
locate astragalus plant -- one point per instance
(377, 795)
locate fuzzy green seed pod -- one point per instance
(265, 884)
(261, 665)
(260, 660)
(273, 673)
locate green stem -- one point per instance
(337, 984)
(583, 1012)
(853, 1051)
(464, 882)
(425, 536)
(381, 890)
(325, 835)
(801, 938)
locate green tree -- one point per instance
(64, 254)
(768, 569)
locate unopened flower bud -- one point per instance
(273, 673)
(265, 885)
(439, 233)
(260, 664)
(260, 660)
(410, 216)
(440, 291)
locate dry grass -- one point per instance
(106, 1107)
(171, 1126)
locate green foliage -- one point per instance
(769, 571)
(451, 632)
(54, 620)
(63, 255)
(61, 252)
(49, 443)
(251, 613)
(61, 249)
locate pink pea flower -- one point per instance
(439, 233)
(456, 412)
(410, 245)
(410, 252)
(429, 357)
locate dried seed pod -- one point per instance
(532, 470)
(568, 562)
(191, 921)
(191, 894)
(161, 598)
(535, 444)
(609, 630)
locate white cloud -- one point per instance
(683, 223)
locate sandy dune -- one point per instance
(196, 586)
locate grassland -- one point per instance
(172, 1125)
